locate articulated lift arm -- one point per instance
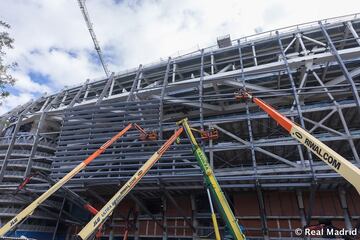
(342, 166)
(109, 207)
(213, 185)
(30, 209)
(73, 196)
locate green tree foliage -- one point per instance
(6, 42)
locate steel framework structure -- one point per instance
(309, 71)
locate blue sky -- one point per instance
(53, 48)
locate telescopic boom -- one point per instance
(109, 207)
(30, 209)
(342, 166)
(215, 189)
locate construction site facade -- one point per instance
(309, 72)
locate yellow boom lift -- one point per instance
(109, 207)
(30, 209)
(342, 166)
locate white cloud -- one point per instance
(26, 85)
(13, 101)
(62, 68)
(51, 37)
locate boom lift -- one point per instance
(211, 134)
(211, 182)
(151, 135)
(86, 205)
(30, 209)
(342, 166)
(74, 197)
(109, 207)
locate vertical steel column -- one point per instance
(313, 189)
(265, 229)
(111, 227)
(35, 144)
(174, 72)
(292, 82)
(194, 214)
(353, 32)
(201, 89)
(180, 210)
(341, 64)
(137, 224)
(106, 87)
(12, 142)
(86, 92)
(37, 134)
(211, 152)
(253, 52)
(64, 98)
(302, 83)
(45, 104)
(145, 209)
(68, 233)
(58, 219)
(300, 202)
(344, 206)
(76, 97)
(253, 156)
(299, 41)
(134, 84)
(212, 63)
(111, 88)
(296, 97)
(163, 91)
(165, 227)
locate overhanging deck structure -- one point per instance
(270, 179)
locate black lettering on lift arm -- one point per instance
(336, 164)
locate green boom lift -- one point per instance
(212, 184)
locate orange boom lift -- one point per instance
(342, 166)
(109, 207)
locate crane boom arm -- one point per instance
(109, 207)
(30, 209)
(338, 163)
(93, 36)
(210, 179)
